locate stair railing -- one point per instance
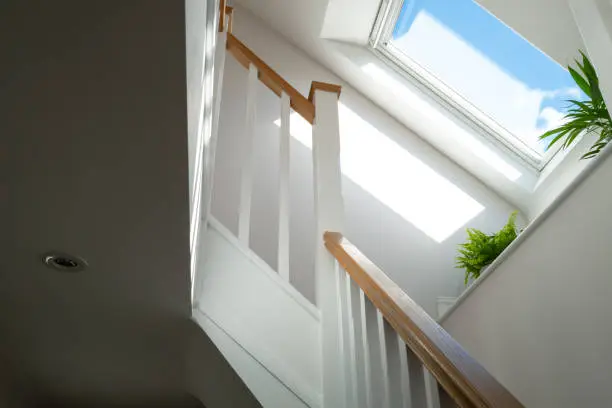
(320, 109)
(366, 320)
(395, 340)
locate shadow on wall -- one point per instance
(406, 204)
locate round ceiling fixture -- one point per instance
(64, 262)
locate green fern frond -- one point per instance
(481, 249)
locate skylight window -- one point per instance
(473, 61)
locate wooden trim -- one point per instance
(222, 9)
(270, 78)
(323, 86)
(463, 378)
(229, 10)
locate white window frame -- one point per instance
(380, 42)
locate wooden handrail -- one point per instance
(463, 378)
(229, 11)
(270, 78)
(222, 11)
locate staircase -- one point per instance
(365, 343)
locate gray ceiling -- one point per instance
(94, 162)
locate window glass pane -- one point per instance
(487, 63)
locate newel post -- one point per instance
(209, 131)
(329, 214)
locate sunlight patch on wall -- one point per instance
(430, 114)
(395, 177)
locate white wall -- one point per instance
(541, 322)
(418, 263)
(268, 390)
(268, 318)
(209, 376)
(564, 168)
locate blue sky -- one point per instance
(485, 33)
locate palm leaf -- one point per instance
(581, 117)
(580, 81)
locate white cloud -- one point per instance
(507, 100)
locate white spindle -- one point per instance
(431, 389)
(329, 214)
(405, 376)
(365, 346)
(418, 396)
(394, 367)
(375, 358)
(361, 381)
(246, 186)
(283, 189)
(382, 344)
(348, 329)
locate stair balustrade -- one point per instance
(379, 348)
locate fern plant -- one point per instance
(482, 249)
(590, 115)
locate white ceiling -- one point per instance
(548, 24)
(93, 160)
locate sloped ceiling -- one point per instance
(548, 24)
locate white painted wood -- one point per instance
(283, 189)
(365, 346)
(346, 317)
(246, 182)
(405, 375)
(375, 358)
(431, 389)
(262, 316)
(594, 21)
(444, 303)
(418, 396)
(265, 268)
(329, 213)
(270, 388)
(382, 345)
(355, 294)
(201, 211)
(394, 368)
(218, 69)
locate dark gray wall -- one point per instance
(94, 162)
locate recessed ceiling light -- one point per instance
(64, 262)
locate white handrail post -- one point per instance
(246, 183)
(283, 189)
(208, 167)
(218, 71)
(329, 213)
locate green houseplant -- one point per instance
(482, 249)
(590, 115)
